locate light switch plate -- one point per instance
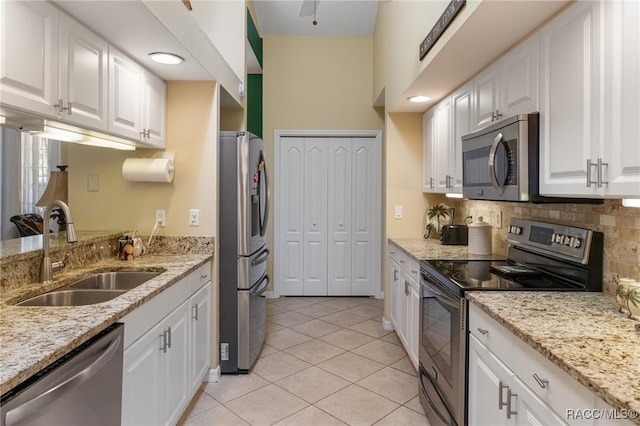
(398, 212)
(92, 183)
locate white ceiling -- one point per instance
(334, 17)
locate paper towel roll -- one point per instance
(148, 169)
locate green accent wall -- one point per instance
(254, 103)
(254, 38)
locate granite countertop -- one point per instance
(432, 249)
(582, 333)
(33, 337)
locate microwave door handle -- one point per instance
(492, 163)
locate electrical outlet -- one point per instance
(92, 183)
(194, 217)
(499, 219)
(161, 217)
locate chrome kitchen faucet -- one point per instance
(46, 267)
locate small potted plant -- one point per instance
(437, 212)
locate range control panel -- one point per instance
(558, 240)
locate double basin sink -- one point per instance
(96, 288)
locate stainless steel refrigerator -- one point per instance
(243, 206)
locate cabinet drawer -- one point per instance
(395, 253)
(553, 385)
(493, 335)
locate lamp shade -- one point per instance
(57, 188)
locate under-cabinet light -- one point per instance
(67, 133)
(452, 195)
(631, 202)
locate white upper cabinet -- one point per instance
(428, 149)
(621, 143)
(29, 64)
(443, 127)
(125, 96)
(507, 87)
(83, 75)
(461, 116)
(154, 102)
(54, 67)
(589, 127)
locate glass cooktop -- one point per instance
(497, 275)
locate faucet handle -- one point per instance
(56, 266)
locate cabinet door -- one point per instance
(530, 410)
(154, 101)
(414, 339)
(519, 79)
(83, 75)
(175, 364)
(403, 322)
(441, 146)
(125, 95)
(462, 114)
(339, 178)
(428, 149)
(315, 216)
(200, 336)
(29, 67)
(489, 379)
(142, 384)
(622, 92)
(485, 97)
(570, 100)
(365, 208)
(394, 282)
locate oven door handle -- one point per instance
(447, 300)
(430, 402)
(492, 163)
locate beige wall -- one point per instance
(192, 135)
(316, 82)
(121, 205)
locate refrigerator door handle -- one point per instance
(265, 219)
(261, 287)
(264, 255)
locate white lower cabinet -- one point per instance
(405, 300)
(510, 383)
(165, 361)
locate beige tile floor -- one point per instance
(326, 361)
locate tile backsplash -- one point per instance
(620, 225)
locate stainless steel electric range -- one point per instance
(541, 256)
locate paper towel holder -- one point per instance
(158, 155)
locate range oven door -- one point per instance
(442, 352)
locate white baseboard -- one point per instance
(271, 295)
(386, 325)
(214, 375)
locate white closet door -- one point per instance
(365, 198)
(291, 213)
(315, 216)
(339, 214)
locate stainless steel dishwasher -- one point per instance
(84, 387)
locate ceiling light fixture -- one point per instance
(418, 99)
(166, 58)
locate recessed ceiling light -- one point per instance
(166, 58)
(418, 99)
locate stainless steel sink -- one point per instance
(72, 298)
(120, 280)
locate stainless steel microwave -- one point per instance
(500, 162)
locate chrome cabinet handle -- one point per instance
(402, 261)
(169, 339)
(498, 115)
(542, 382)
(501, 386)
(61, 108)
(510, 411)
(599, 180)
(145, 133)
(483, 331)
(395, 275)
(431, 185)
(413, 271)
(590, 164)
(406, 288)
(195, 312)
(163, 347)
(203, 277)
